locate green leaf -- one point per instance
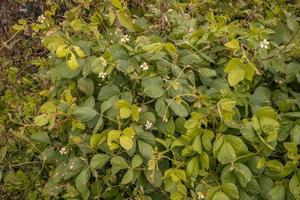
(118, 163)
(277, 193)
(136, 161)
(235, 76)
(219, 196)
(41, 137)
(86, 86)
(295, 134)
(243, 174)
(230, 190)
(145, 149)
(128, 177)
(192, 168)
(177, 108)
(226, 153)
(73, 167)
(206, 72)
(125, 21)
(41, 120)
(117, 4)
(153, 87)
(85, 113)
(99, 160)
(294, 185)
(82, 181)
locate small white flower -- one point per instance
(144, 66)
(125, 38)
(148, 125)
(63, 151)
(41, 19)
(102, 75)
(264, 44)
(140, 110)
(103, 61)
(166, 77)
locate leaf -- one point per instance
(136, 161)
(153, 87)
(243, 174)
(234, 63)
(117, 4)
(128, 177)
(295, 134)
(86, 86)
(41, 120)
(85, 113)
(177, 108)
(118, 163)
(125, 21)
(112, 137)
(82, 181)
(99, 160)
(192, 168)
(294, 185)
(230, 190)
(145, 149)
(72, 62)
(206, 72)
(226, 153)
(126, 142)
(62, 51)
(124, 108)
(233, 44)
(276, 193)
(235, 76)
(79, 52)
(41, 137)
(219, 196)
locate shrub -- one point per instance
(169, 99)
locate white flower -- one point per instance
(63, 150)
(72, 166)
(102, 75)
(103, 61)
(125, 38)
(264, 44)
(148, 125)
(144, 66)
(140, 109)
(41, 19)
(166, 77)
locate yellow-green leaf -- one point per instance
(233, 44)
(126, 142)
(125, 21)
(62, 51)
(78, 51)
(72, 62)
(235, 76)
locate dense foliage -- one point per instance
(158, 99)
